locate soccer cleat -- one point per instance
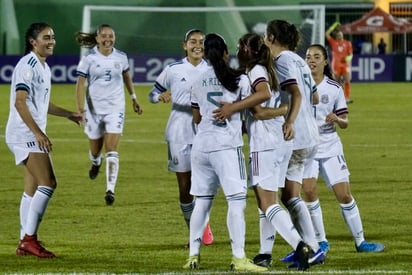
(207, 238)
(245, 264)
(289, 258)
(370, 247)
(109, 197)
(21, 252)
(317, 257)
(30, 246)
(264, 260)
(94, 171)
(192, 262)
(293, 265)
(302, 256)
(324, 246)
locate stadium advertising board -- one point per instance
(145, 68)
(372, 68)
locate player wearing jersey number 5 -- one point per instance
(217, 156)
(329, 161)
(106, 71)
(173, 85)
(26, 133)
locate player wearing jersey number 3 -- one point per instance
(102, 100)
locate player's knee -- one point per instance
(345, 198)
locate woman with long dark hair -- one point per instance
(269, 150)
(26, 133)
(331, 113)
(217, 156)
(295, 78)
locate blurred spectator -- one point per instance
(358, 46)
(382, 47)
(366, 48)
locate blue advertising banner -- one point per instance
(145, 68)
(63, 68)
(372, 68)
(402, 70)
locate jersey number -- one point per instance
(107, 75)
(210, 96)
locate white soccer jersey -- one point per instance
(264, 134)
(331, 100)
(29, 75)
(177, 77)
(105, 91)
(292, 69)
(213, 135)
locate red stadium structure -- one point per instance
(377, 21)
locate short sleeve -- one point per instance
(24, 77)
(83, 67)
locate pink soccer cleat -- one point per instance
(207, 236)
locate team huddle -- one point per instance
(288, 107)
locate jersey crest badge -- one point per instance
(324, 99)
(175, 161)
(27, 74)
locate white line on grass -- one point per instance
(298, 272)
(231, 272)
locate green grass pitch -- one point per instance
(144, 232)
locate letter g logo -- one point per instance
(375, 21)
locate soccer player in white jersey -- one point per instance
(269, 152)
(174, 85)
(295, 78)
(217, 156)
(26, 133)
(329, 161)
(105, 70)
